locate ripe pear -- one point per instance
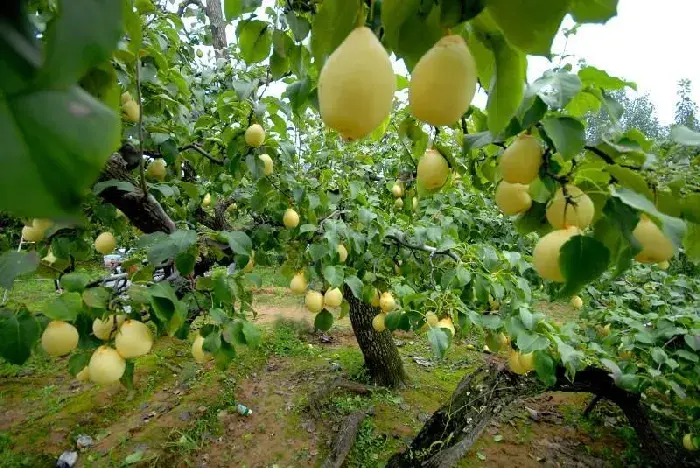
(578, 210)
(387, 302)
(431, 319)
(299, 284)
(269, 165)
(415, 203)
(290, 219)
(32, 234)
(105, 243)
(131, 110)
(200, 54)
(527, 362)
(133, 339)
(688, 443)
(513, 199)
(342, 253)
(106, 366)
(514, 362)
(398, 204)
(332, 298)
(397, 190)
(126, 97)
(664, 265)
(545, 257)
(255, 136)
(447, 324)
(433, 170)
(156, 170)
(576, 302)
(521, 161)
(50, 258)
(656, 247)
(443, 82)
(41, 224)
(198, 352)
(356, 85)
(206, 201)
(83, 375)
(374, 302)
(314, 301)
(102, 328)
(379, 322)
(59, 338)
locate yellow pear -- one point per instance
(379, 322)
(41, 224)
(83, 375)
(545, 257)
(200, 54)
(156, 170)
(106, 366)
(576, 302)
(387, 302)
(133, 339)
(513, 199)
(50, 258)
(656, 247)
(578, 210)
(397, 190)
(447, 324)
(332, 298)
(198, 352)
(131, 110)
(432, 170)
(431, 319)
(521, 161)
(664, 265)
(356, 85)
(514, 362)
(103, 328)
(126, 97)
(688, 443)
(342, 253)
(314, 301)
(59, 338)
(255, 136)
(299, 284)
(206, 201)
(398, 204)
(527, 362)
(443, 82)
(105, 243)
(32, 234)
(269, 165)
(415, 203)
(290, 219)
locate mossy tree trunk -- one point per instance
(382, 358)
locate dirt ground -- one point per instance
(182, 415)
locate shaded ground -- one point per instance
(182, 414)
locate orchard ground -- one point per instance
(183, 414)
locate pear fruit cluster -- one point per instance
(130, 108)
(520, 363)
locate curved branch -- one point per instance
(424, 248)
(201, 151)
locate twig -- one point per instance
(425, 248)
(201, 151)
(142, 172)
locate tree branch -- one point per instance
(424, 248)
(201, 151)
(186, 3)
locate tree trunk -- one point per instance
(382, 358)
(454, 428)
(218, 27)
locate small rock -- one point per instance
(143, 406)
(202, 409)
(423, 417)
(67, 460)
(84, 441)
(221, 415)
(25, 372)
(185, 416)
(399, 343)
(534, 415)
(335, 366)
(325, 338)
(309, 426)
(404, 406)
(421, 361)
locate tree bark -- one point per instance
(453, 429)
(344, 440)
(382, 358)
(217, 26)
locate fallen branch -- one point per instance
(344, 440)
(318, 398)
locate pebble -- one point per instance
(84, 441)
(335, 366)
(67, 460)
(185, 416)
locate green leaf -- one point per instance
(692, 243)
(78, 134)
(18, 333)
(630, 179)
(593, 11)
(65, 307)
(582, 260)
(252, 334)
(299, 25)
(239, 242)
(439, 341)
(177, 242)
(355, 285)
(184, 262)
(82, 35)
(544, 367)
(601, 79)
(224, 355)
(78, 362)
(685, 136)
(234, 8)
(96, 298)
(526, 317)
(393, 320)
(506, 90)
(332, 23)
(556, 88)
(529, 25)
(163, 301)
(528, 342)
(244, 89)
(454, 12)
(334, 275)
(568, 135)
(74, 282)
(127, 379)
(324, 320)
(14, 264)
(401, 20)
(254, 40)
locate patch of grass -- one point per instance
(276, 297)
(284, 340)
(370, 447)
(272, 276)
(11, 459)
